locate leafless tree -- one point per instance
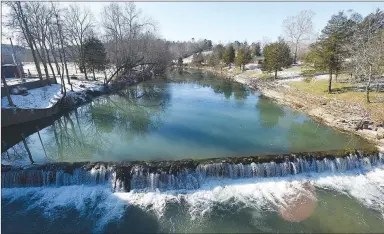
(128, 37)
(18, 20)
(62, 52)
(79, 25)
(39, 16)
(367, 49)
(298, 29)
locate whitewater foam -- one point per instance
(258, 194)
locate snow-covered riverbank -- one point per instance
(47, 96)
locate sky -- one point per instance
(229, 21)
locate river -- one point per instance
(196, 116)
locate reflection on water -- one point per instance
(185, 115)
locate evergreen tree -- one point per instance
(180, 62)
(95, 56)
(229, 55)
(243, 57)
(219, 51)
(329, 53)
(277, 56)
(256, 49)
(240, 57)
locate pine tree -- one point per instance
(277, 56)
(95, 55)
(256, 49)
(229, 55)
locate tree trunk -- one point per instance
(295, 55)
(63, 51)
(275, 74)
(42, 59)
(29, 38)
(85, 73)
(369, 82)
(93, 71)
(10, 102)
(63, 82)
(53, 50)
(105, 77)
(49, 63)
(330, 81)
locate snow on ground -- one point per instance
(47, 96)
(72, 70)
(252, 66)
(14, 81)
(188, 59)
(38, 98)
(80, 85)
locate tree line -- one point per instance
(349, 43)
(122, 41)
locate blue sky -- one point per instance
(230, 21)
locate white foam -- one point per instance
(259, 194)
(106, 206)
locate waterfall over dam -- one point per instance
(184, 174)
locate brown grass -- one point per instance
(320, 88)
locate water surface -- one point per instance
(187, 115)
(193, 116)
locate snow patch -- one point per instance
(39, 98)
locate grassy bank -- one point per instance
(345, 92)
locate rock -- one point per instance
(82, 86)
(19, 90)
(73, 77)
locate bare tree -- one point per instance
(38, 15)
(127, 33)
(53, 39)
(367, 49)
(79, 26)
(10, 102)
(62, 52)
(19, 20)
(298, 29)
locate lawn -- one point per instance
(320, 87)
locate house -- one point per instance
(10, 70)
(8, 59)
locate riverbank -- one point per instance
(343, 115)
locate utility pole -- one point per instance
(15, 60)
